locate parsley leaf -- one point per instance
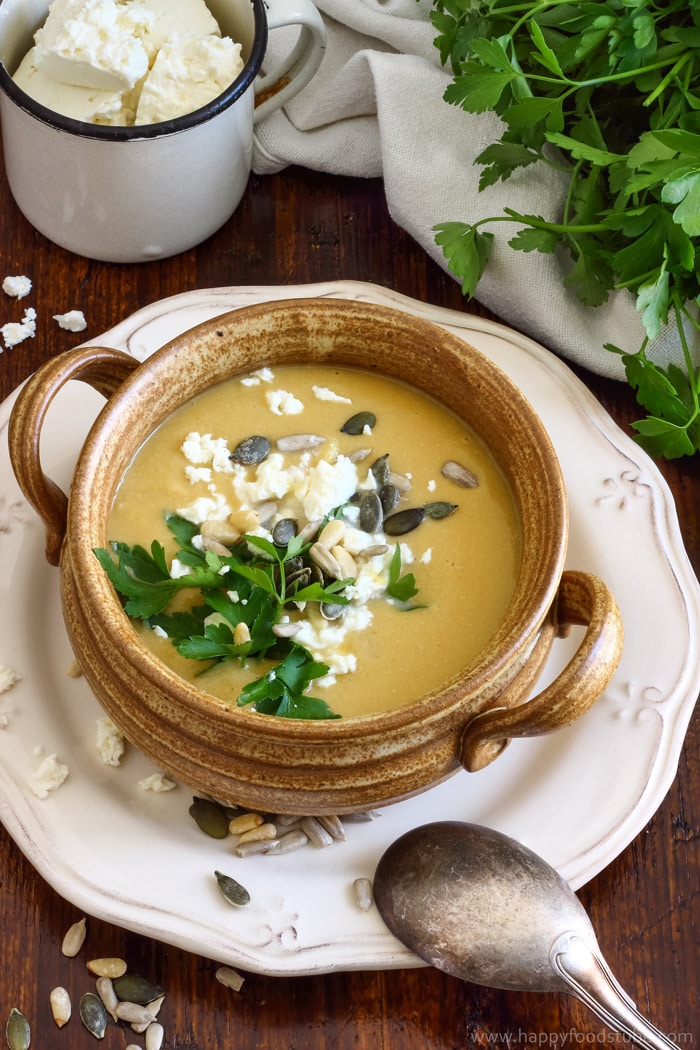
(281, 691)
(402, 588)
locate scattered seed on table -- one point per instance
(132, 988)
(250, 849)
(105, 990)
(154, 1036)
(334, 827)
(18, 1031)
(316, 832)
(74, 938)
(229, 978)
(261, 833)
(60, 1006)
(134, 1013)
(364, 896)
(93, 1015)
(107, 967)
(210, 817)
(245, 822)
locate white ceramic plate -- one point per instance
(577, 797)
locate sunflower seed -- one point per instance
(155, 1006)
(224, 532)
(106, 992)
(334, 827)
(285, 630)
(364, 897)
(325, 561)
(439, 509)
(288, 843)
(93, 1015)
(299, 442)
(210, 817)
(74, 938)
(210, 544)
(357, 423)
(17, 1031)
(399, 481)
(229, 978)
(232, 891)
(241, 633)
(359, 454)
(263, 833)
(132, 988)
(251, 450)
(60, 1006)
(332, 533)
(373, 550)
(249, 849)
(154, 1036)
(454, 471)
(345, 560)
(361, 817)
(310, 529)
(245, 822)
(134, 1013)
(317, 834)
(107, 967)
(403, 521)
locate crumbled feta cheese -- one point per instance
(327, 486)
(159, 632)
(72, 321)
(282, 403)
(427, 556)
(431, 485)
(265, 374)
(157, 782)
(196, 474)
(8, 678)
(4, 721)
(325, 639)
(324, 394)
(271, 480)
(48, 777)
(201, 449)
(15, 332)
(17, 286)
(109, 741)
(39, 750)
(205, 509)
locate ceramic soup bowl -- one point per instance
(303, 766)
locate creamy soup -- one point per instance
(464, 554)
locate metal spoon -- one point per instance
(483, 907)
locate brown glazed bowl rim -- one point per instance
(535, 590)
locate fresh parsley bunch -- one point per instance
(610, 93)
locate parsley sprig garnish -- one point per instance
(251, 586)
(609, 93)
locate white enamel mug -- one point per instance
(134, 194)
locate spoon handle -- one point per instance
(589, 978)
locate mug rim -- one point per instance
(125, 132)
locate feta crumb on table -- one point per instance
(15, 332)
(17, 286)
(72, 321)
(157, 782)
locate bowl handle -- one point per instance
(582, 599)
(104, 370)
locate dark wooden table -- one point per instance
(293, 228)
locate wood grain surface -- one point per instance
(292, 228)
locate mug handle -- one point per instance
(103, 369)
(582, 599)
(287, 80)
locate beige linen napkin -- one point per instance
(375, 108)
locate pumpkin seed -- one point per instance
(210, 817)
(284, 531)
(251, 450)
(18, 1031)
(380, 470)
(389, 496)
(439, 509)
(59, 1000)
(132, 988)
(331, 610)
(93, 1015)
(357, 423)
(74, 938)
(454, 471)
(371, 514)
(403, 521)
(299, 442)
(232, 891)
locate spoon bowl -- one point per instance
(483, 907)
